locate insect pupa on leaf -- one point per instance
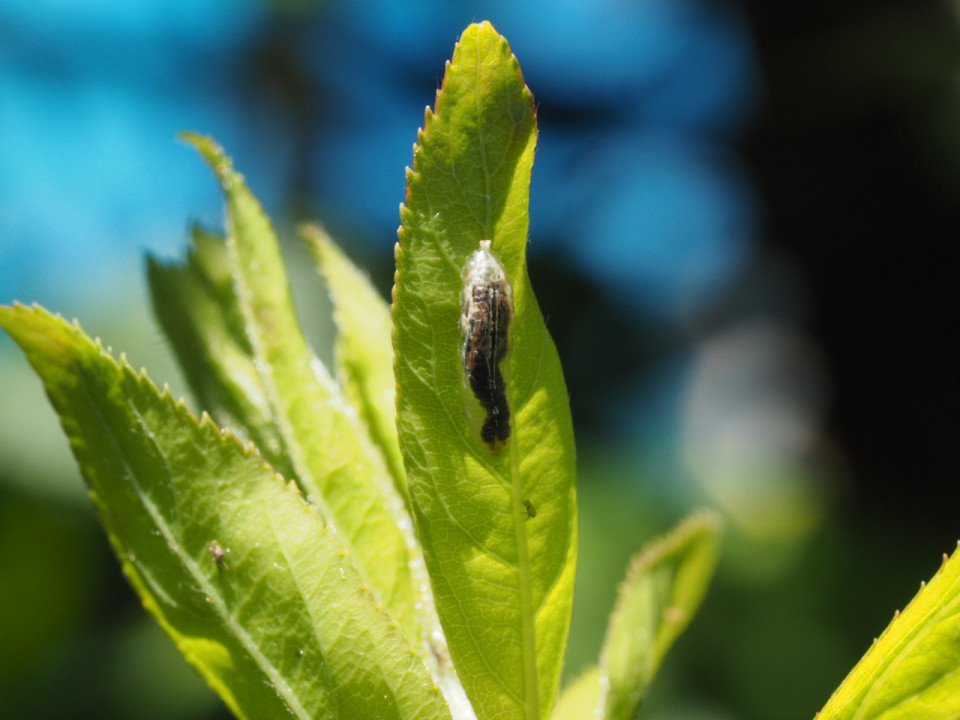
(486, 303)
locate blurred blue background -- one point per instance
(739, 223)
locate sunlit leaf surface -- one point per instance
(497, 524)
(912, 672)
(257, 592)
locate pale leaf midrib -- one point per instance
(523, 570)
(280, 402)
(239, 632)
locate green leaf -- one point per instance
(365, 364)
(364, 347)
(256, 591)
(497, 525)
(197, 309)
(581, 699)
(331, 456)
(664, 586)
(912, 672)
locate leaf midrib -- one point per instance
(210, 591)
(527, 620)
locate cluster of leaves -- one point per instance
(356, 549)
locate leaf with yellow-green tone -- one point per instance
(580, 700)
(363, 347)
(257, 592)
(664, 586)
(321, 438)
(197, 308)
(365, 363)
(497, 524)
(912, 672)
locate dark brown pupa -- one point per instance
(486, 303)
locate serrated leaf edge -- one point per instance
(225, 437)
(653, 552)
(909, 636)
(532, 703)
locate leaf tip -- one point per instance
(215, 156)
(314, 232)
(209, 148)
